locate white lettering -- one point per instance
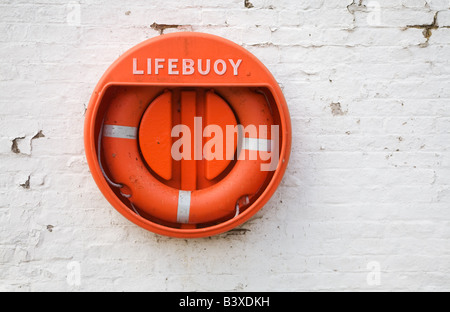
(208, 67)
(188, 67)
(173, 66)
(74, 275)
(265, 301)
(235, 66)
(273, 154)
(156, 66)
(198, 126)
(213, 148)
(74, 15)
(374, 16)
(216, 67)
(249, 145)
(374, 276)
(193, 302)
(184, 141)
(135, 70)
(159, 66)
(246, 301)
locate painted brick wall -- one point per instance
(365, 202)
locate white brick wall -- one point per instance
(365, 202)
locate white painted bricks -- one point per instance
(364, 202)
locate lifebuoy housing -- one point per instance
(185, 143)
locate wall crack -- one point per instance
(26, 185)
(162, 27)
(428, 28)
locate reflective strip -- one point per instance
(121, 132)
(184, 205)
(252, 144)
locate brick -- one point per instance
(438, 4)
(254, 18)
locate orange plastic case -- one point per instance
(187, 135)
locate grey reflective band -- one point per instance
(184, 205)
(122, 132)
(252, 144)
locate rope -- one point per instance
(118, 185)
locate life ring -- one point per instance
(125, 167)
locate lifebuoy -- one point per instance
(151, 193)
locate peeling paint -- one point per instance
(248, 4)
(162, 27)
(354, 7)
(15, 145)
(336, 109)
(38, 135)
(26, 185)
(17, 142)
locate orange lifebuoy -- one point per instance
(187, 204)
(143, 144)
